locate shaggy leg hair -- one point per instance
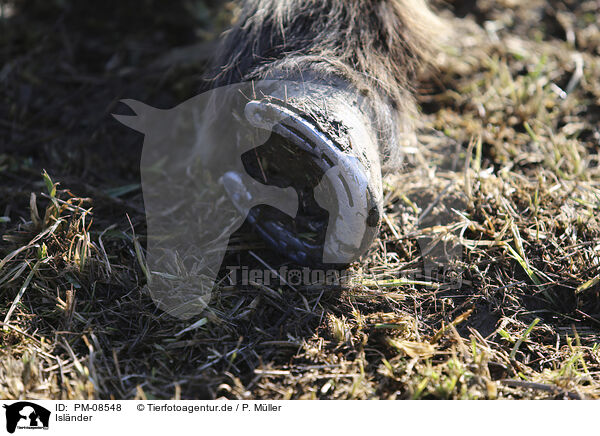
(373, 45)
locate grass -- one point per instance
(507, 176)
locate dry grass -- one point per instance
(508, 173)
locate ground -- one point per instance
(506, 173)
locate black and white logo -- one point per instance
(25, 415)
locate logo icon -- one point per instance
(26, 415)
